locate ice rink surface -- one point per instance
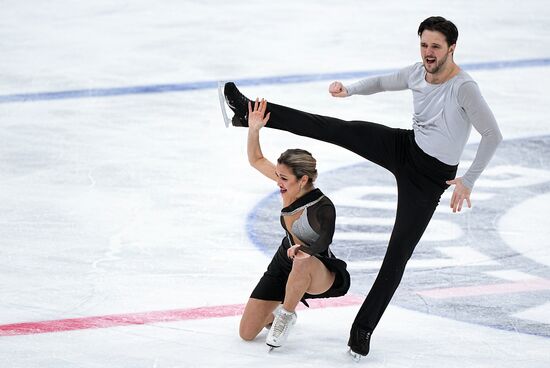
(132, 229)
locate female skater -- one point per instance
(303, 266)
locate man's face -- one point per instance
(434, 50)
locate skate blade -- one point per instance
(271, 348)
(356, 357)
(221, 97)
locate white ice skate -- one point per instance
(283, 322)
(268, 327)
(221, 97)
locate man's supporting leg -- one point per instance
(414, 212)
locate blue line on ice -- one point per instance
(284, 79)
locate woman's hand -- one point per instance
(294, 252)
(256, 118)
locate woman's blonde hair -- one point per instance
(301, 162)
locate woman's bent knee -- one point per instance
(247, 336)
(248, 333)
(255, 317)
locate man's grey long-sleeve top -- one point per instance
(443, 115)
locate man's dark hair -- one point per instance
(442, 25)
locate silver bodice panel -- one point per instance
(302, 229)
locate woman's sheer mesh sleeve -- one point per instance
(322, 219)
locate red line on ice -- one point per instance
(116, 320)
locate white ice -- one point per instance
(136, 203)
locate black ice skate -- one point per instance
(237, 102)
(359, 342)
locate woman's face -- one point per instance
(289, 185)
